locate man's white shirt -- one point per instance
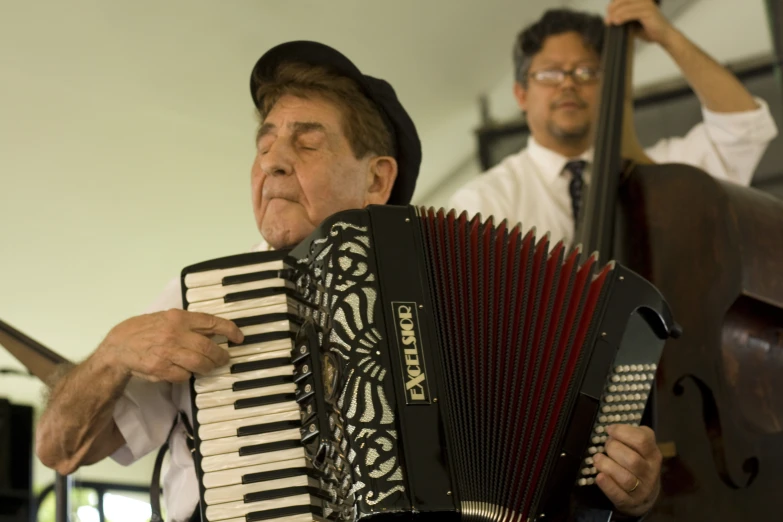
(531, 186)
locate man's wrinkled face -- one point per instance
(304, 170)
(562, 110)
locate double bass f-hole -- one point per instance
(714, 430)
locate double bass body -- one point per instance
(715, 251)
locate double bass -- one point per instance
(715, 251)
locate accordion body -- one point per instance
(407, 363)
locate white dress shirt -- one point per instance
(531, 186)
(145, 413)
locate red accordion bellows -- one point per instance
(512, 315)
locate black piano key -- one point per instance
(263, 401)
(281, 512)
(265, 364)
(262, 383)
(237, 260)
(280, 445)
(254, 276)
(258, 294)
(267, 318)
(260, 496)
(263, 338)
(277, 474)
(259, 429)
(252, 294)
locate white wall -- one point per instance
(460, 176)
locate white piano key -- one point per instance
(205, 293)
(259, 356)
(204, 384)
(304, 517)
(224, 413)
(265, 356)
(204, 401)
(219, 307)
(216, 479)
(283, 325)
(288, 306)
(235, 460)
(238, 492)
(229, 428)
(233, 444)
(262, 347)
(239, 509)
(211, 277)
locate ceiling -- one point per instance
(127, 126)
(193, 58)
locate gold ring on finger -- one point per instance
(635, 486)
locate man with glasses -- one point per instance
(557, 63)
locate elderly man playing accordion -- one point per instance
(330, 138)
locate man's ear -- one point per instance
(380, 179)
(520, 93)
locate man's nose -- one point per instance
(568, 83)
(278, 160)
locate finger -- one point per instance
(191, 361)
(211, 324)
(639, 438)
(618, 473)
(614, 5)
(172, 373)
(142, 375)
(616, 494)
(176, 374)
(627, 458)
(630, 13)
(155, 365)
(206, 347)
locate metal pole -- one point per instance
(62, 497)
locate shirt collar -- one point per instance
(551, 163)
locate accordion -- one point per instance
(407, 362)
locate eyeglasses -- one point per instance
(580, 75)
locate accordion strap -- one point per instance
(155, 484)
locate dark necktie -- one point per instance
(576, 187)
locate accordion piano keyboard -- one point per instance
(253, 464)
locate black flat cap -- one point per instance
(405, 139)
